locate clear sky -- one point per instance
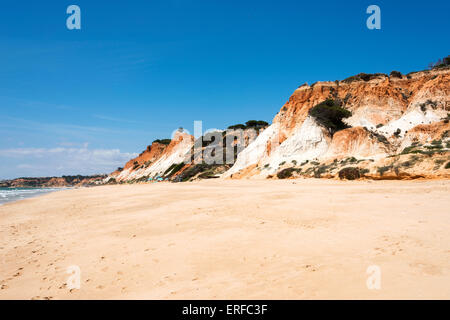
(84, 101)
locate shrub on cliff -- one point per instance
(163, 141)
(174, 168)
(349, 173)
(237, 126)
(382, 170)
(395, 74)
(251, 124)
(330, 114)
(287, 173)
(441, 63)
(256, 124)
(364, 77)
(194, 170)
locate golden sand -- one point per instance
(239, 239)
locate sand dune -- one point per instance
(290, 239)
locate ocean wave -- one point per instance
(14, 194)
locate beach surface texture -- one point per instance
(230, 239)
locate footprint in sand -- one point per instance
(428, 269)
(310, 267)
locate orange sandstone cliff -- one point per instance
(396, 127)
(393, 119)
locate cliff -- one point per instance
(184, 158)
(370, 125)
(388, 115)
(155, 160)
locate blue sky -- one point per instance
(84, 101)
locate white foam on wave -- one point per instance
(14, 194)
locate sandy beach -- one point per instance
(228, 239)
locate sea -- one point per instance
(14, 194)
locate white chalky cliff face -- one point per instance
(156, 159)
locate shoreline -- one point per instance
(230, 239)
